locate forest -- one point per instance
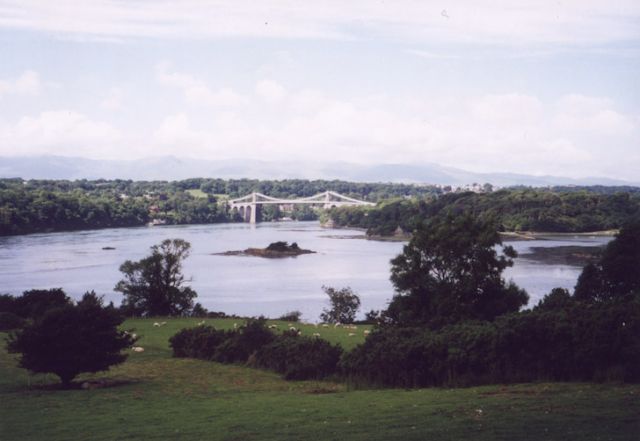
(561, 210)
(58, 205)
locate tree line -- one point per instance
(546, 210)
(58, 205)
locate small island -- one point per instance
(274, 250)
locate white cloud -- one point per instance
(26, 84)
(270, 91)
(592, 115)
(197, 91)
(63, 132)
(471, 21)
(113, 99)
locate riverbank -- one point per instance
(155, 396)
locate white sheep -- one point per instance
(157, 325)
(163, 323)
(367, 332)
(137, 349)
(351, 334)
(273, 326)
(316, 334)
(324, 325)
(235, 326)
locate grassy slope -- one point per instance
(154, 396)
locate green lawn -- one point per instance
(197, 193)
(153, 396)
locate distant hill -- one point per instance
(173, 168)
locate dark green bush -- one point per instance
(199, 342)
(579, 342)
(242, 343)
(300, 358)
(10, 321)
(291, 316)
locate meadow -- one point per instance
(157, 397)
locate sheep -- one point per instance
(137, 349)
(201, 323)
(367, 332)
(337, 325)
(163, 323)
(351, 334)
(157, 325)
(316, 334)
(324, 325)
(273, 326)
(235, 326)
(134, 335)
(292, 328)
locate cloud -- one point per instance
(197, 91)
(581, 113)
(113, 99)
(63, 132)
(571, 22)
(26, 84)
(270, 91)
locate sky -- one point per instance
(532, 86)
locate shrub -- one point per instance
(71, 339)
(240, 344)
(199, 342)
(10, 321)
(291, 316)
(579, 342)
(300, 358)
(34, 303)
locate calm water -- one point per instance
(243, 285)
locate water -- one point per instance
(77, 263)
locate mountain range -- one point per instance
(174, 168)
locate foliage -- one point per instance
(199, 311)
(283, 246)
(581, 343)
(291, 316)
(520, 209)
(155, 284)
(198, 342)
(10, 321)
(244, 342)
(344, 305)
(299, 358)
(450, 271)
(55, 205)
(617, 273)
(34, 303)
(71, 339)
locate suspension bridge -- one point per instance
(249, 206)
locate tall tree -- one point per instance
(155, 285)
(451, 271)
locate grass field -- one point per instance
(197, 193)
(155, 397)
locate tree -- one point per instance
(617, 273)
(71, 339)
(451, 271)
(155, 285)
(344, 305)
